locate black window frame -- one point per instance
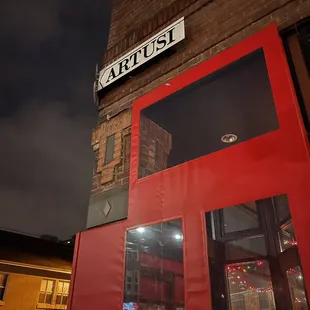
(299, 30)
(269, 230)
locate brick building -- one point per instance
(201, 147)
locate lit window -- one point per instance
(109, 152)
(62, 293)
(46, 291)
(3, 284)
(54, 293)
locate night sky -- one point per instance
(49, 49)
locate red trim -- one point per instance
(74, 270)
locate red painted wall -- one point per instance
(178, 290)
(163, 264)
(154, 290)
(275, 163)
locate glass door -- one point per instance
(253, 257)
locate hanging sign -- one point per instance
(143, 53)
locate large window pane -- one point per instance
(154, 267)
(253, 257)
(228, 107)
(241, 217)
(246, 248)
(282, 209)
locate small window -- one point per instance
(54, 293)
(109, 152)
(62, 293)
(3, 284)
(132, 282)
(304, 39)
(154, 275)
(46, 291)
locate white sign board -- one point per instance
(143, 53)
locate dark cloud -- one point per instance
(47, 112)
(32, 20)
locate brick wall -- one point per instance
(211, 26)
(116, 172)
(136, 13)
(155, 146)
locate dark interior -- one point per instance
(236, 99)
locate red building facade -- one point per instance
(213, 213)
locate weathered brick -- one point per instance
(107, 175)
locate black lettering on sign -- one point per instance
(135, 58)
(112, 75)
(161, 42)
(149, 49)
(123, 65)
(170, 35)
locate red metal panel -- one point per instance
(153, 290)
(99, 278)
(148, 260)
(178, 290)
(277, 162)
(74, 267)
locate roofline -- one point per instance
(29, 266)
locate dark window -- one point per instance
(3, 284)
(304, 39)
(241, 217)
(228, 107)
(255, 265)
(109, 152)
(154, 275)
(281, 208)
(297, 48)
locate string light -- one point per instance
(290, 242)
(234, 272)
